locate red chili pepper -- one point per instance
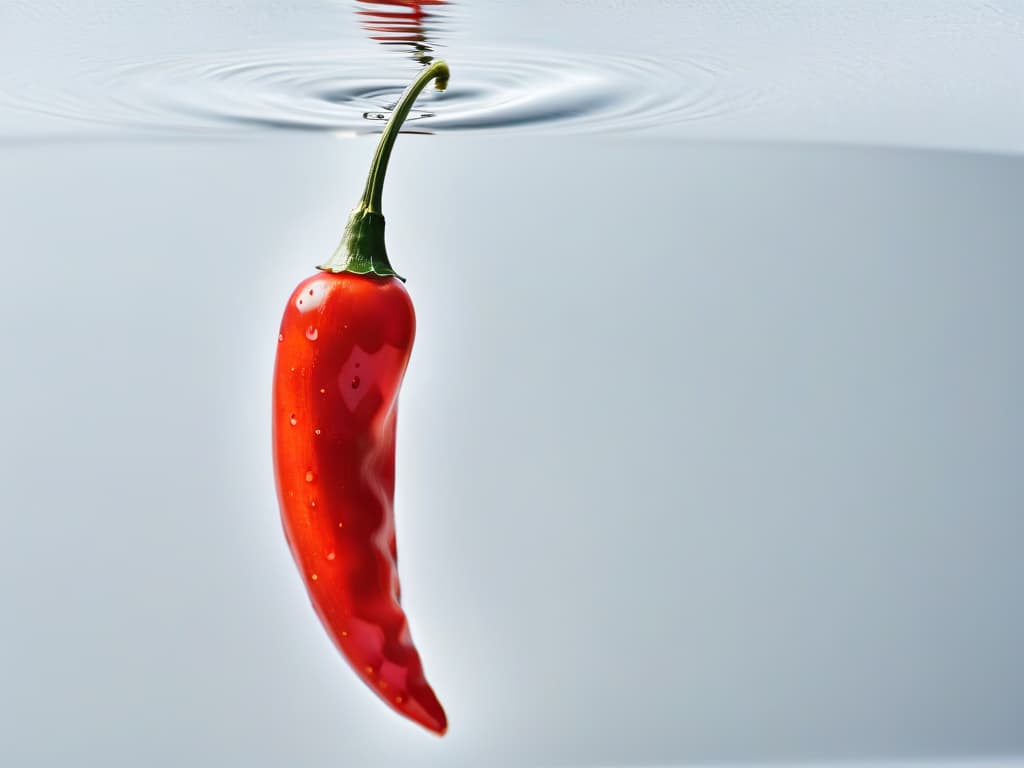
(344, 345)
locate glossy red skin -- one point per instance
(342, 352)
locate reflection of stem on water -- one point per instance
(401, 22)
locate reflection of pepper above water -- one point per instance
(401, 22)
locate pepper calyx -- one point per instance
(362, 250)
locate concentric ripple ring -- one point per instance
(325, 90)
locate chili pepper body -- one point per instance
(343, 349)
(342, 352)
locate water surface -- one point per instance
(937, 74)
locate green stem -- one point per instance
(362, 250)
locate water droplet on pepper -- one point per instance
(355, 382)
(312, 333)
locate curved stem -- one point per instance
(375, 181)
(362, 250)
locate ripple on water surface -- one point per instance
(331, 91)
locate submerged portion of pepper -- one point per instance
(342, 352)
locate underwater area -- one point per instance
(710, 443)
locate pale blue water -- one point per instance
(937, 74)
(709, 448)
